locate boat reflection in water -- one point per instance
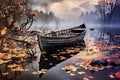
(56, 56)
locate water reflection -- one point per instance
(30, 68)
(16, 58)
(103, 64)
(54, 57)
(15, 65)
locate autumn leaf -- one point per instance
(12, 66)
(72, 74)
(5, 73)
(85, 79)
(18, 68)
(90, 76)
(4, 31)
(117, 74)
(42, 71)
(33, 13)
(81, 72)
(69, 68)
(3, 56)
(111, 76)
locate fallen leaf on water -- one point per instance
(5, 73)
(34, 72)
(45, 59)
(63, 52)
(3, 56)
(81, 72)
(72, 74)
(117, 74)
(26, 69)
(22, 55)
(50, 63)
(68, 72)
(111, 76)
(12, 65)
(62, 58)
(4, 61)
(54, 56)
(6, 49)
(85, 79)
(69, 68)
(90, 76)
(18, 68)
(42, 71)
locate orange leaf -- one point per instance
(4, 31)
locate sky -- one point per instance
(65, 8)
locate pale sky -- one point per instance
(65, 8)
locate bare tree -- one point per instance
(106, 7)
(14, 12)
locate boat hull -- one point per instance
(47, 44)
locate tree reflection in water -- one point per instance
(17, 57)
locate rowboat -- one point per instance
(62, 38)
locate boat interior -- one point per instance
(66, 33)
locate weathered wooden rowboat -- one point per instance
(61, 38)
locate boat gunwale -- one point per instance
(54, 37)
